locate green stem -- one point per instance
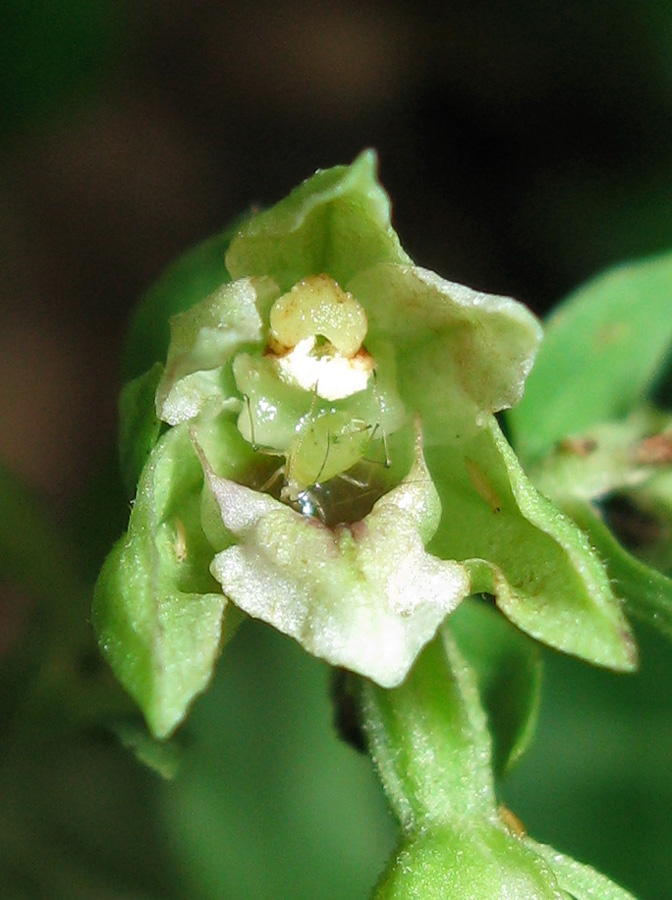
(430, 742)
(429, 739)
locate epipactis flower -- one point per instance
(330, 463)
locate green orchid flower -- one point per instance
(318, 448)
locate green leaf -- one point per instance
(584, 420)
(508, 669)
(337, 222)
(580, 881)
(139, 425)
(647, 592)
(604, 348)
(430, 741)
(536, 562)
(471, 861)
(157, 612)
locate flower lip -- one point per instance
(364, 595)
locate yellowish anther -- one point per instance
(318, 307)
(316, 336)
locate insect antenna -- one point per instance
(324, 461)
(388, 461)
(250, 417)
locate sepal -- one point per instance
(157, 612)
(535, 561)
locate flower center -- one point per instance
(316, 397)
(316, 336)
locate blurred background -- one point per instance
(526, 146)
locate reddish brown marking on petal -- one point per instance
(482, 486)
(512, 821)
(578, 446)
(359, 530)
(655, 450)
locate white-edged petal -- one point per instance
(367, 597)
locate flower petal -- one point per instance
(204, 338)
(367, 597)
(336, 222)
(461, 354)
(158, 615)
(544, 574)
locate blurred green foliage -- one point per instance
(597, 781)
(268, 802)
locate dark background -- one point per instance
(526, 145)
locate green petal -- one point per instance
(508, 668)
(461, 354)
(193, 276)
(535, 561)
(337, 222)
(157, 612)
(204, 338)
(366, 597)
(603, 349)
